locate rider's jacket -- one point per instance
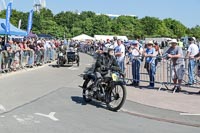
(104, 63)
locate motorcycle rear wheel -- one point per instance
(116, 97)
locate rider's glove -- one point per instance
(104, 68)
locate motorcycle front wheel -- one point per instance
(86, 89)
(116, 97)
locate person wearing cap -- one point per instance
(192, 51)
(136, 53)
(150, 55)
(175, 53)
(120, 54)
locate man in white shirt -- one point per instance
(192, 51)
(108, 44)
(47, 54)
(115, 42)
(120, 54)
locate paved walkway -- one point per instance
(182, 102)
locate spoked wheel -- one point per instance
(78, 61)
(116, 97)
(86, 91)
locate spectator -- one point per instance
(150, 55)
(175, 53)
(192, 51)
(108, 43)
(9, 59)
(15, 55)
(180, 44)
(136, 52)
(31, 52)
(39, 53)
(115, 42)
(120, 54)
(158, 53)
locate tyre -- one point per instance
(77, 60)
(116, 97)
(86, 89)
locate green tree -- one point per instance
(154, 27)
(72, 24)
(101, 24)
(176, 28)
(195, 31)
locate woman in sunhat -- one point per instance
(150, 55)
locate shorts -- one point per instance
(16, 58)
(178, 71)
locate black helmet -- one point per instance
(114, 38)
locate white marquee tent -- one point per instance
(105, 37)
(82, 37)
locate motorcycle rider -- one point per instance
(62, 48)
(105, 62)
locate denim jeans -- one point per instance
(151, 69)
(121, 64)
(39, 57)
(136, 70)
(31, 58)
(0, 62)
(52, 54)
(191, 67)
(46, 55)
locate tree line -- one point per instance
(70, 24)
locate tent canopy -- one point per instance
(31, 35)
(13, 30)
(83, 37)
(105, 37)
(45, 36)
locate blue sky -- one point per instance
(186, 12)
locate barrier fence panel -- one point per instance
(163, 73)
(187, 72)
(0, 62)
(12, 61)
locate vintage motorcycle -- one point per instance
(61, 59)
(109, 89)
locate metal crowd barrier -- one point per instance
(25, 58)
(89, 49)
(164, 73)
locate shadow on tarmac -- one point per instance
(57, 66)
(79, 100)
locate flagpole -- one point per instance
(8, 15)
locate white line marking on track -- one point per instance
(73, 68)
(20, 120)
(37, 122)
(2, 108)
(23, 119)
(50, 116)
(189, 114)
